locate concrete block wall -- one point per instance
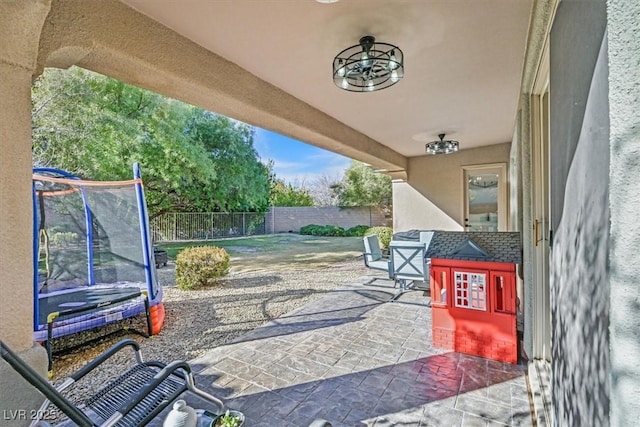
(291, 219)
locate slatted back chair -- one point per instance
(408, 265)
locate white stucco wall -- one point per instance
(624, 256)
(412, 210)
(580, 275)
(432, 196)
(20, 24)
(579, 285)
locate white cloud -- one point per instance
(312, 168)
(311, 163)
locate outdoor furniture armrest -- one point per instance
(132, 398)
(367, 261)
(381, 264)
(103, 358)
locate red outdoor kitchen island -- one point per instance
(473, 292)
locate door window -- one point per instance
(485, 197)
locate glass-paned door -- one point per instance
(485, 195)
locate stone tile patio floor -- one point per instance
(355, 360)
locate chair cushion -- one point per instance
(379, 265)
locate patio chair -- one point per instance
(408, 265)
(373, 258)
(132, 398)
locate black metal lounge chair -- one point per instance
(132, 398)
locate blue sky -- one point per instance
(296, 162)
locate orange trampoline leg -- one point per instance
(157, 318)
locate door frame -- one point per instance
(540, 213)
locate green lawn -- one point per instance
(279, 251)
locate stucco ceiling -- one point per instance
(463, 59)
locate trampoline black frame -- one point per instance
(97, 304)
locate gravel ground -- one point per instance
(202, 319)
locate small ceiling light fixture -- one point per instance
(441, 146)
(368, 66)
(489, 181)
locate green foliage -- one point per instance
(357, 231)
(227, 420)
(310, 229)
(63, 238)
(242, 182)
(333, 230)
(361, 186)
(287, 195)
(253, 224)
(191, 159)
(322, 230)
(200, 266)
(384, 235)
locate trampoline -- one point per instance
(93, 255)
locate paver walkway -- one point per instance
(355, 360)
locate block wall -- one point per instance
(291, 219)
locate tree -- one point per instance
(242, 182)
(322, 192)
(287, 195)
(191, 159)
(361, 186)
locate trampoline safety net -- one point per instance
(92, 241)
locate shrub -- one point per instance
(384, 235)
(201, 266)
(322, 230)
(310, 229)
(357, 231)
(333, 230)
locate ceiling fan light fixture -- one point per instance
(368, 66)
(441, 146)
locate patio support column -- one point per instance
(20, 26)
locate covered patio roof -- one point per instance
(269, 64)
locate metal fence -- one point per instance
(205, 226)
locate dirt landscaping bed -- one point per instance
(263, 285)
